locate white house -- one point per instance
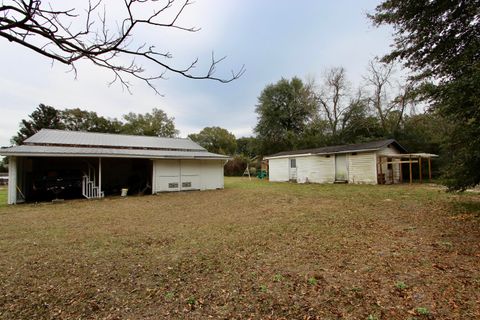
(356, 163)
(70, 164)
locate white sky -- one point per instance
(273, 38)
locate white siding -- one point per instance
(278, 169)
(317, 169)
(211, 176)
(166, 175)
(395, 167)
(362, 168)
(12, 180)
(176, 175)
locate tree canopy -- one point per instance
(156, 123)
(284, 111)
(216, 140)
(43, 117)
(83, 120)
(440, 42)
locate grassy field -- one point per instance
(3, 196)
(255, 250)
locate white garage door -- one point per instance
(189, 175)
(177, 175)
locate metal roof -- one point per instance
(58, 143)
(80, 138)
(56, 151)
(359, 147)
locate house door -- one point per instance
(341, 167)
(292, 172)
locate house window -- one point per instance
(354, 153)
(389, 163)
(293, 163)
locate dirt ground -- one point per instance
(255, 250)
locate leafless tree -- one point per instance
(389, 98)
(71, 35)
(333, 98)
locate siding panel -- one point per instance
(317, 169)
(362, 168)
(278, 169)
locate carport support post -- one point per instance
(12, 180)
(420, 168)
(429, 169)
(100, 176)
(410, 167)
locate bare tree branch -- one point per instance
(331, 97)
(389, 110)
(52, 33)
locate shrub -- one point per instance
(236, 166)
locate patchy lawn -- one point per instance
(254, 250)
(3, 196)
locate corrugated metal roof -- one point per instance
(79, 138)
(359, 147)
(56, 151)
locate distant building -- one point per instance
(372, 162)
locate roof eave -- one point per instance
(103, 155)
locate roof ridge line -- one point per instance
(112, 134)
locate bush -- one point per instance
(236, 166)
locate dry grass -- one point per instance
(254, 250)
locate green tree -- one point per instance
(156, 123)
(216, 140)
(4, 164)
(440, 42)
(247, 146)
(82, 120)
(44, 117)
(360, 125)
(284, 110)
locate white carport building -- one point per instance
(70, 164)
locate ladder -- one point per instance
(90, 189)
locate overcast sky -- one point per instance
(272, 38)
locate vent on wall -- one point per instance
(172, 185)
(186, 184)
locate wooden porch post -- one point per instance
(99, 176)
(400, 171)
(410, 165)
(420, 168)
(380, 169)
(429, 169)
(12, 180)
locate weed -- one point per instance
(356, 289)
(191, 301)
(278, 277)
(446, 244)
(169, 295)
(400, 285)
(263, 288)
(312, 281)
(422, 311)
(372, 317)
